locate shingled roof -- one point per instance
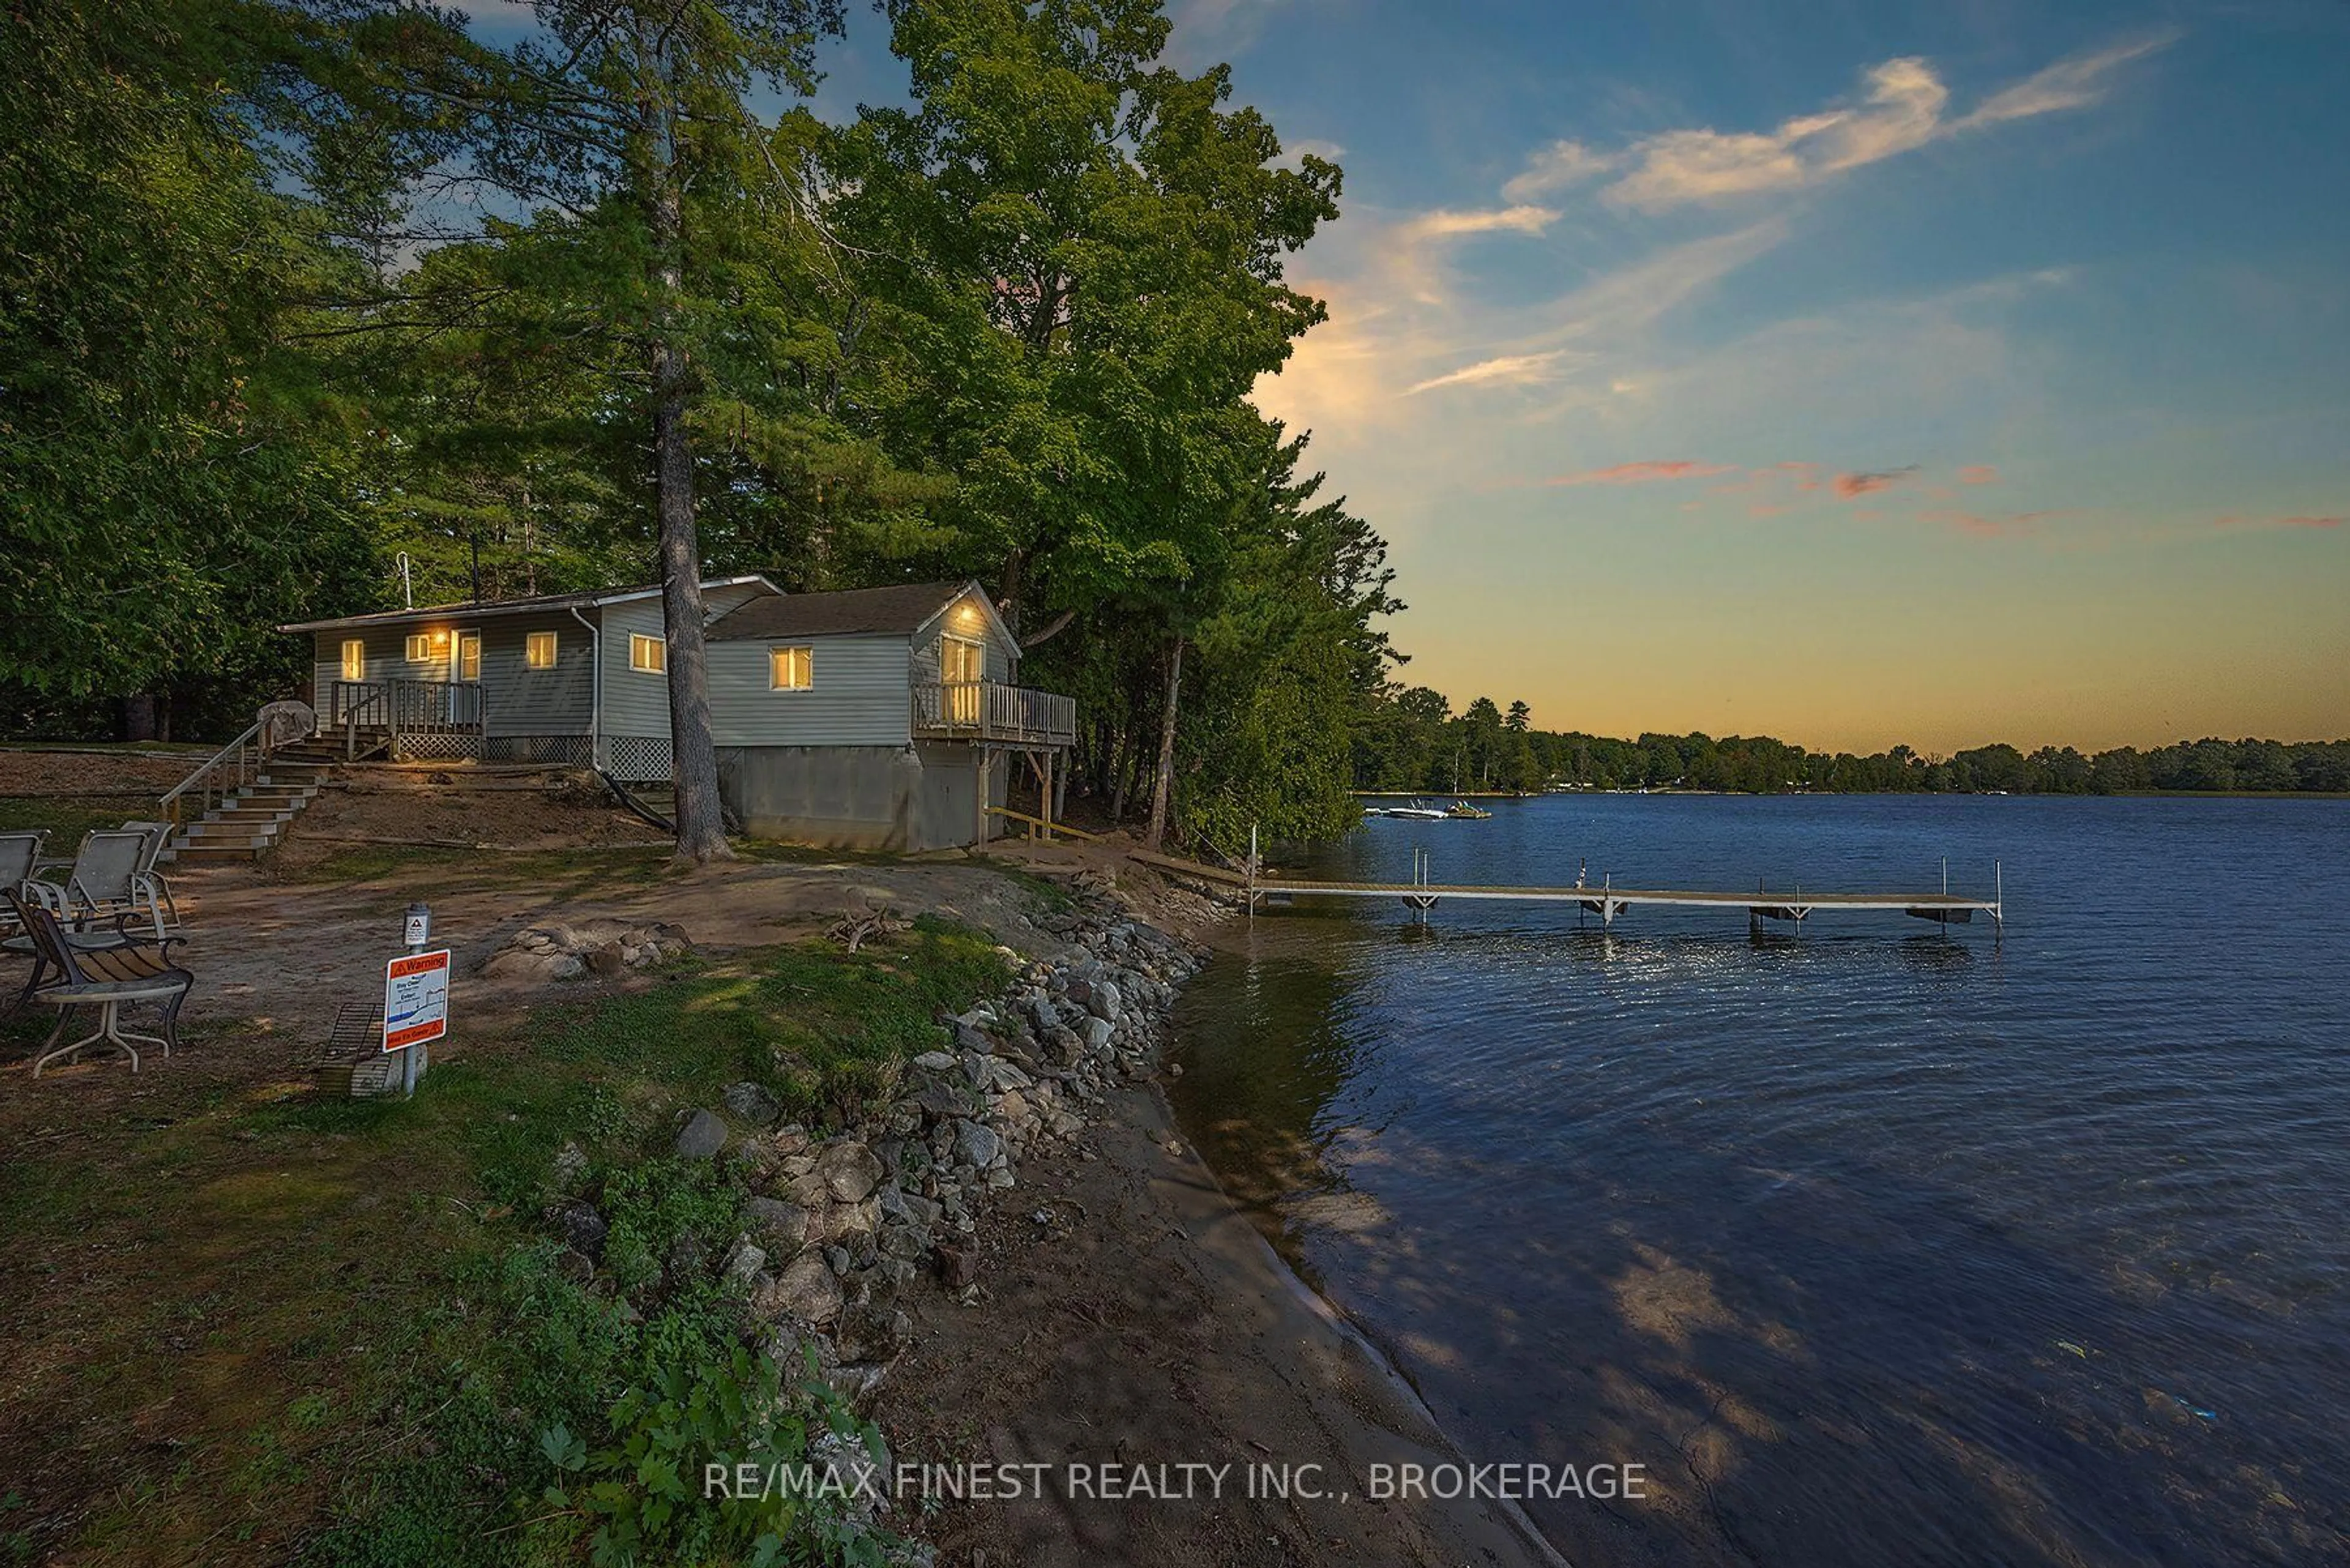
(471, 610)
(902, 611)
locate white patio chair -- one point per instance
(106, 883)
(159, 834)
(19, 853)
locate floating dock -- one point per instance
(1606, 900)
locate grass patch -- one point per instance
(823, 1030)
(259, 1325)
(66, 818)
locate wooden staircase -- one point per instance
(252, 817)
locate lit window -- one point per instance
(650, 654)
(791, 669)
(469, 657)
(420, 647)
(354, 660)
(538, 650)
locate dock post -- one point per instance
(1252, 874)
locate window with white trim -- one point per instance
(420, 647)
(354, 658)
(791, 669)
(648, 655)
(538, 650)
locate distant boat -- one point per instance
(1464, 809)
(1418, 811)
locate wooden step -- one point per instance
(234, 828)
(246, 813)
(205, 852)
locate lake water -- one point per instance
(1887, 1245)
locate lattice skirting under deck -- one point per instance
(428, 748)
(562, 751)
(638, 759)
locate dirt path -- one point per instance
(278, 957)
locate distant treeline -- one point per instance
(1415, 743)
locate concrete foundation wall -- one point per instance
(855, 797)
(861, 798)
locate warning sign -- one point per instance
(415, 1000)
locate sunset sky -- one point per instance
(1943, 373)
(1939, 372)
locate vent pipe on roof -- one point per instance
(407, 588)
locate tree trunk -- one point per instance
(138, 716)
(1163, 784)
(694, 758)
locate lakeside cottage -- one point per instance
(883, 718)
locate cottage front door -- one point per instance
(963, 664)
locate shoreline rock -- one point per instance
(837, 1230)
(901, 1194)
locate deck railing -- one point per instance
(991, 711)
(399, 709)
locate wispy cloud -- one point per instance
(1558, 167)
(1445, 225)
(1510, 370)
(1978, 473)
(1850, 486)
(2074, 82)
(1645, 472)
(1294, 155)
(1902, 108)
(1899, 107)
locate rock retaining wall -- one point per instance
(837, 1228)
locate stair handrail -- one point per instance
(240, 750)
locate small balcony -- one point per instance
(991, 711)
